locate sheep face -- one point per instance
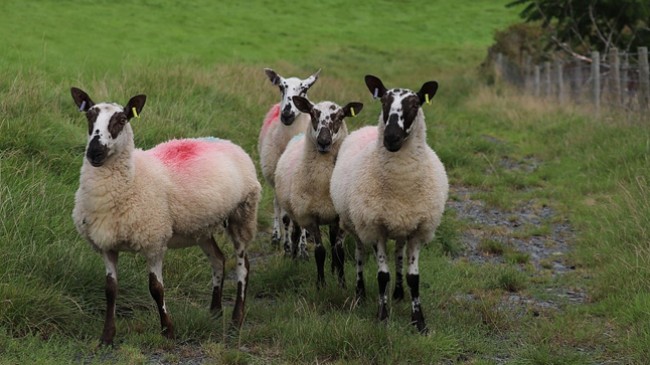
(326, 120)
(289, 88)
(106, 122)
(399, 108)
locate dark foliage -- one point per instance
(581, 26)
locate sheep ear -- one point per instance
(375, 86)
(427, 91)
(312, 79)
(136, 103)
(352, 109)
(82, 99)
(303, 104)
(273, 76)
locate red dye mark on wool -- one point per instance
(272, 116)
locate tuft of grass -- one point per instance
(509, 279)
(517, 257)
(492, 247)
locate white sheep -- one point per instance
(282, 122)
(302, 178)
(174, 195)
(389, 184)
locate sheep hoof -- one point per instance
(216, 313)
(168, 333)
(105, 343)
(303, 255)
(417, 319)
(320, 281)
(398, 293)
(275, 241)
(382, 314)
(360, 292)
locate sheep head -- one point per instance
(289, 88)
(327, 118)
(400, 107)
(106, 121)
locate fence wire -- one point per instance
(617, 82)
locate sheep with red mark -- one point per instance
(175, 195)
(302, 178)
(389, 184)
(282, 122)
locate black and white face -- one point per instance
(327, 119)
(106, 123)
(289, 88)
(399, 109)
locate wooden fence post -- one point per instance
(625, 79)
(595, 79)
(526, 71)
(537, 80)
(615, 76)
(547, 79)
(560, 82)
(644, 79)
(578, 82)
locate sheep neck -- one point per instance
(113, 180)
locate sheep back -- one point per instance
(186, 187)
(273, 139)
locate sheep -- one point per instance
(282, 122)
(174, 195)
(302, 178)
(389, 184)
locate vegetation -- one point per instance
(582, 26)
(201, 67)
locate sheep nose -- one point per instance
(324, 140)
(393, 137)
(96, 152)
(287, 117)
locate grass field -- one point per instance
(543, 256)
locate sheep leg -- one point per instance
(359, 257)
(319, 255)
(287, 231)
(241, 230)
(296, 233)
(217, 261)
(398, 293)
(277, 228)
(383, 277)
(337, 235)
(413, 281)
(110, 261)
(157, 291)
(243, 268)
(302, 245)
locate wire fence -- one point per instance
(613, 81)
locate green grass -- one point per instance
(201, 66)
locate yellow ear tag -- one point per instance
(352, 111)
(426, 97)
(135, 113)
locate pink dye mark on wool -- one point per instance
(367, 134)
(186, 153)
(272, 116)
